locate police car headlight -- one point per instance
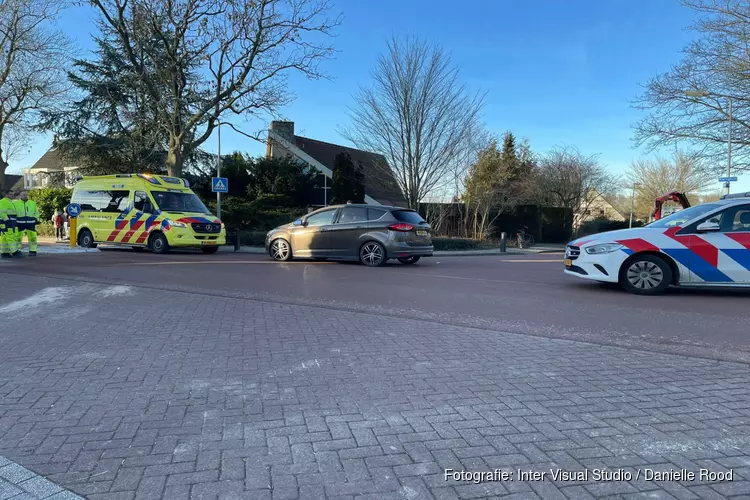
(604, 248)
(177, 224)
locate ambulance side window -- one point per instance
(142, 203)
(115, 201)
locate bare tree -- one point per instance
(569, 179)
(417, 114)
(714, 69)
(216, 58)
(652, 178)
(32, 74)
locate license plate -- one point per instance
(208, 242)
(568, 262)
(422, 233)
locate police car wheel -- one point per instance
(86, 239)
(158, 243)
(645, 275)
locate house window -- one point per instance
(602, 211)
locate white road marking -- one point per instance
(116, 290)
(45, 296)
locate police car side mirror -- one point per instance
(299, 222)
(708, 227)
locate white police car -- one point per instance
(704, 245)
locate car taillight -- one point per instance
(404, 228)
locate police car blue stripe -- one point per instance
(739, 255)
(697, 265)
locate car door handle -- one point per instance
(322, 229)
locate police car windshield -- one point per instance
(683, 216)
(169, 201)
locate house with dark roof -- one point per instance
(14, 182)
(51, 170)
(381, 187)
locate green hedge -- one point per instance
(447, 244)
(50, 199)
(45, 228)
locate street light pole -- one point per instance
(218, 172)
(632, 204)
(729, 160)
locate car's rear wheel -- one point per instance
(86, 239)
(645, 275)
(410, 260)
(210, 250)
(280, 250)
(372, 254)
(158, 243)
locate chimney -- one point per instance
(283, 129)
(54, 141)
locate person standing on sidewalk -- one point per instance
(28, 218)
(8, 215)
(57, 221)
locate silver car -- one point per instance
(371, 234)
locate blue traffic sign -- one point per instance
(219, 185)
(727, 179)
(73, 210)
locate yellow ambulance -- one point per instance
(144, 211)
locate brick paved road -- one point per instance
(125, 392)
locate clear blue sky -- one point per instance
(555, 72)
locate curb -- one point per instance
(439, 253)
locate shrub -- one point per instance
(50, 199)
(45, 228)
(602, 224)
(448, 244)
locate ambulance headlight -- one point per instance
(177, 224)
(604, 248)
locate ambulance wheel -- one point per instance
(645, 275)
(158, 243)
(209, 250)
(86, 239)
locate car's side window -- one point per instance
(141, 201)
(732, 219)
(375, 213)
(741, 221)
(350, 215)
(321, 219)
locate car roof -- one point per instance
(365, 205)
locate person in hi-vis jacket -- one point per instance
(27, 214)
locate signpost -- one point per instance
(219, 184)
(73, 210)
(728, 179)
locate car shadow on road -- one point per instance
(674, 291)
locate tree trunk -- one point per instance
(3, 166)
(175, 157)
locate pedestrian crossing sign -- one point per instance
(219, 185)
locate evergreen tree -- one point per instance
(344, 184)
(113, 127)
(359, 184)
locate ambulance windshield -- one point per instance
(169, 201)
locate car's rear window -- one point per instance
(408, 216)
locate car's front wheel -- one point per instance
(158, 243)
(645, 275)
(280, 250)
(372, 254)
